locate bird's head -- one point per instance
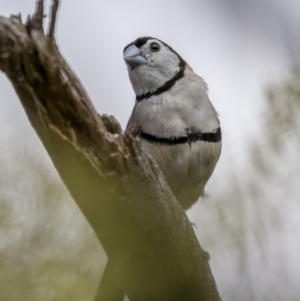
(152, 64)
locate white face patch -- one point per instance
(163, 65)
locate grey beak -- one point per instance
(133, 57)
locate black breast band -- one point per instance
(191, 137)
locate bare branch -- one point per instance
(37, 19)
(54, 9)
(119, 189)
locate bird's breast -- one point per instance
(186, 168)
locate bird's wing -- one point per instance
(133, 128)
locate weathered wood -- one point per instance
(122, 193)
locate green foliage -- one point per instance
(252, 224)
(47, 249)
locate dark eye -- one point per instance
(155, 47)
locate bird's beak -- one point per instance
(133, 57)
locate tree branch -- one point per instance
(54, 9)
(119, 189)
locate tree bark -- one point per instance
(147, 236)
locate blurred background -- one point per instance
(248, 53)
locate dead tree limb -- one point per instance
(122, 193)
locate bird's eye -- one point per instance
(155, 47)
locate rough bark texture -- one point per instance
(147, 236)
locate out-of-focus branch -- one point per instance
(122, 193)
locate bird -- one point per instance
(173, 118)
